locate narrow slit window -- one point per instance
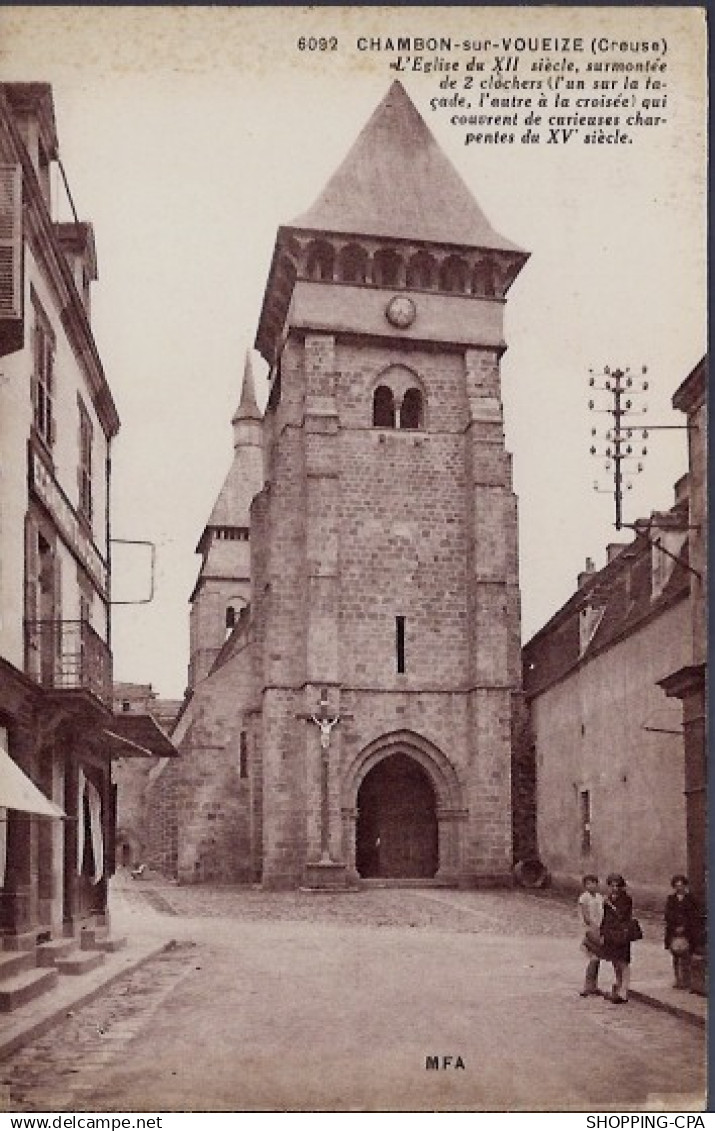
(585, 814)
(243, 756)
(400, 644)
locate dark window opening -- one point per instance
(85, 609)
(483, 280)
(386, 266)
(453, 276)
(400, 642)
(243, 755)
(352, 264)
(321, 258)
(230, 617)
(421, 271)
(411, 409)
(383, 408)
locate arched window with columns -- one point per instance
(398, 400)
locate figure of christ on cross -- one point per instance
(325, 726)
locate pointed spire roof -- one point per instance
(233, 505)
(396, 182)
(247, 408)
(245, 475)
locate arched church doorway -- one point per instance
(396, 835)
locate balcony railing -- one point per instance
(68, 655)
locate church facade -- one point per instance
(353, 691)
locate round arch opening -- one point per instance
(396, 832)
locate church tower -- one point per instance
(385, 595)
(222, 588)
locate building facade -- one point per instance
(130, 774)
(57, 423)
(689, 682)
(605, 744)
(357, 722)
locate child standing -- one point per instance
(590, 913)
(682, 929)
(617, 935)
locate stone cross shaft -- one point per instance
(325, 725)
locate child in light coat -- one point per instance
(590, 914)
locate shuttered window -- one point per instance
(10, 241)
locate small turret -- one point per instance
(224, 582)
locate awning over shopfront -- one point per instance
(139, 736)
(18, 792)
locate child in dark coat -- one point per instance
(617, 916)
(683, 929)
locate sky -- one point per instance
(189, 134)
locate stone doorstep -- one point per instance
(49, 952)
(80, 962)
(20, 988)
(70, 993)
(12, 962)
(99, 938)
(14, 942)
(110, 945)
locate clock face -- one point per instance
(401, 311)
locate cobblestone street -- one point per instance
(333, 1002)
(54, 1071)
(504, 912)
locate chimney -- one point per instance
(669, 530)
(613, 549)
(588, 572)
(682, 489)
(77, 243)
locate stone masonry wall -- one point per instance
(198, 807)
(161, 818)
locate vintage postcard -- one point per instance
(353, 465)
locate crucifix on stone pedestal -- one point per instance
(325, 725)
